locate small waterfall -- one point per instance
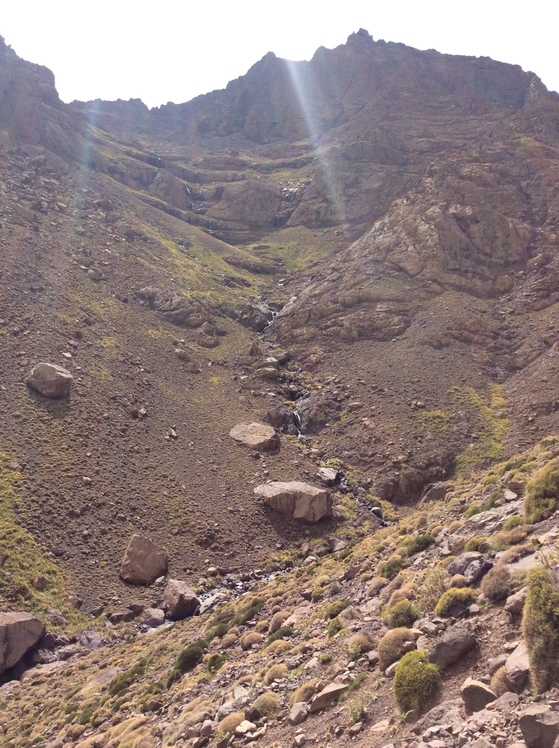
(297, 422)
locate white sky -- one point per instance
(173, 50)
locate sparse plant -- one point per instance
(420, 543)
(499, 684)
(390, 567)
(477, 543)
(431, 587)
(334, 608)
(267, 703)
(276, 672)
(281, 633)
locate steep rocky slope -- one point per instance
(359, 250)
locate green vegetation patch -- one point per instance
(27, 559)
(542, 493)
(540, 626)
(455, 596)
(490, 414)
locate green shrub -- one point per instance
(391, 646)
(283, 631)
(540, 626)
(390, 567)
(215, 662)
(420, 543)
(335, 608)
(187, 660)
(120, 684)
(415, 681)
(402, 614)
(461, 595)
(334, 627)
(475, 544)
(512, 522)
(542, 493)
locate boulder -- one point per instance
(517, 668)
(539, 725)
(476, 695)
(179, 600)
(50, 380)
(256, 436)
(298, 713)
(328, 476)
(515, 603)
(455, 643)
(18, 633)
(143, 561)
(296, 499)
(329, 694)
(152, 617)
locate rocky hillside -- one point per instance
(245, 342)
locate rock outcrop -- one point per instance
(296, 499)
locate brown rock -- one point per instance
(179, 600)
(517, 668)
(329, 694)
(152, 617)
(455, 643)
(539, 726)
(143, 561)
(476, 695)
(18, 633)
(256, 436)
(296, 499)
(298, 713)
(50, 380)
(515, 603)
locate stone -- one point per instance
(298, 713)
(328, 476)
(152, 617)
(455, 643)
(257, 436)
(517, 668)
(461, 562)
(539, 726)
(476, 695)
(50, 380)
(495, 663)
(91, 640)
(515, 603)
(143, 561)
(122, 615)
(296, 499)
(245, 727)
(329, 694)
(179, 600)
(19, 632)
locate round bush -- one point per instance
(415, 681)
(402, 614)
(455, 597)
(393, 645)
(542, 493)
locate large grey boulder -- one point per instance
(50, 380)
(179, 600)
(143, 561)
(18, 633)
(296, 499)
(256, 436)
